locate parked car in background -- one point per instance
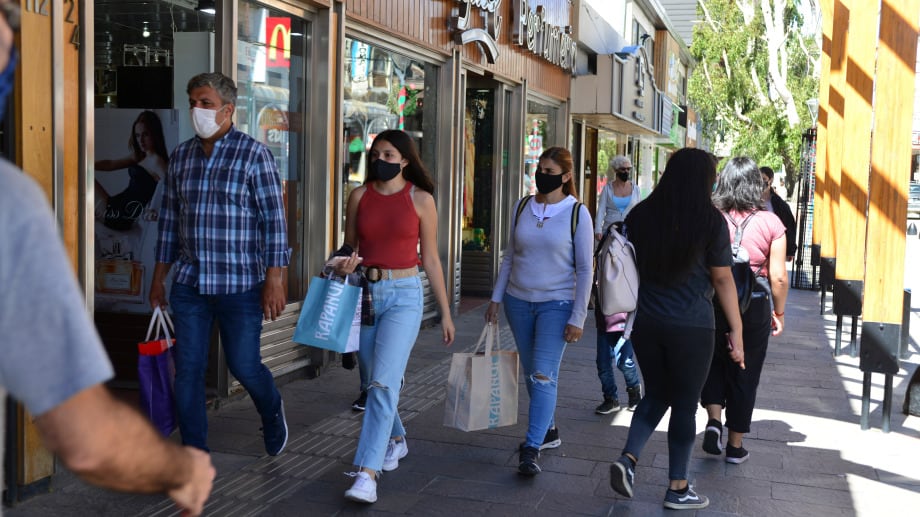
(913, 201)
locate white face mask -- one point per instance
(204, 122)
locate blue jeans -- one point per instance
(538, 329)
(384, 352)
(239, 318)
(607, 354)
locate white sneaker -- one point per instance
(364, 490)
(395, 452)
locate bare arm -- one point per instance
(779, 284)
(115, 164)
(431, 261)
(724, 284)
(274, 293)
(109, 444)
(158, 285)
(348, 265)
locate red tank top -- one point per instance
(388, 228)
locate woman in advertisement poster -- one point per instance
(146, 164)
(388, 220)
(544, 283)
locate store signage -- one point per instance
(551, 42)
(278, 41)
(639, 91)
(486, 37)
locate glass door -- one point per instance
(271, 81)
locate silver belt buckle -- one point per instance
(373, 274)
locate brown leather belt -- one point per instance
(375, 274)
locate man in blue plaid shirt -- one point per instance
(222, 224)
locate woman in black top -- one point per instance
(683, 256)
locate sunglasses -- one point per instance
(624, 169)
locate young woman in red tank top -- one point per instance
(388, 220)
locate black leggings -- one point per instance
(728, 385)
(674, 363)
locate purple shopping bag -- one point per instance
(156, 372)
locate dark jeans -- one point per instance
(728, 385)
(239, 318)
(675, 362)
(608, 355)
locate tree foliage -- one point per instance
(756, 67)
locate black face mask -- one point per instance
(547, 183)
(623, 176)
(385, 171)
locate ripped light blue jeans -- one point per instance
(384, 352)
(538, 329)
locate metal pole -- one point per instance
(864, 416)
(838, 336)
(886, 405)
(854, 345)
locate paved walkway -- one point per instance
(808, 454)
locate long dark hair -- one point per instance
(563, 159)
(415, 172)
(671, 228)
(739, 187)
(155, 127)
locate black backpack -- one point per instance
(745, 279)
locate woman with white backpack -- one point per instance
(682, 256)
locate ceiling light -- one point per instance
(146, 32)
(206, 6)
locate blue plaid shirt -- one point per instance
(222, 219)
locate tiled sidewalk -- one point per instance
(808, 454)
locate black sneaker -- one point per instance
(736, 455)
(275, 432)
(635, 395)
(551, 440)
(712, 438)
(688, 500)
(622, 475)
(360, 402)
(609, 405)
(528, 465)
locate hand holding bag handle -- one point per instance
(487, 338)
(164, 327)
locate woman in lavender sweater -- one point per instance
(544, 282)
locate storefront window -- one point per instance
(540, 133)
(271, 82)
(383, 90)
(141, 115)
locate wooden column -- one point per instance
(47, 113)
(836, 111)
(897, 55)
(827, 28)
(854, 176)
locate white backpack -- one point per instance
(616, 277)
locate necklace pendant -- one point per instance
(539, 224)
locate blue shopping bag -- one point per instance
(327, 314)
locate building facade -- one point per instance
(482, 87)
(629, 91)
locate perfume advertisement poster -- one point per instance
(132, 156)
